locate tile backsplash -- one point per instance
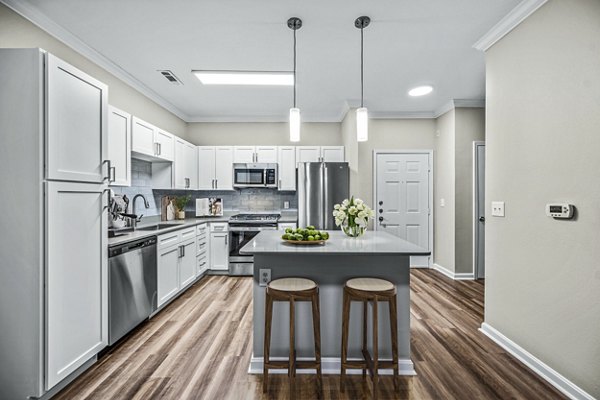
(251, 199)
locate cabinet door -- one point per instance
(119, 146)
(167, 274)
(308, 153)
(266, 154)
(224, 168)
(76, 276)
(206, 168)
(287, 167)
(77, 114)
(332, 153)
(191, 165)
(187, 264)
(180, 164)
(219, 251)
(243, 154)
(142, 137)
(165, 145)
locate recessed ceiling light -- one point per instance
(420, 91)
(245, 78)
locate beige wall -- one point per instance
(15, 31)
(348, 131)
(543, 145)
(469, 127)
(265, 133)
(444, 188)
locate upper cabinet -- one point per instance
(151, 143)
(320, 153)
(119, 147)
(76, 146)
(255, 154)
(287, 167)
(185, 165)
(215, 167)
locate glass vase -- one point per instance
(354, 230)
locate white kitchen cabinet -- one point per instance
(76, 273)
(219, 246)
(150, 143)
(282, 226)
(266, 154)
(76, 140)
(215, 167)
(255, 154)
(187, 263)
(168, 273)
(119, 147)
(332, 154)
(308, 154)
(287, 167)
(185, 165)
(244, 154)
(202, 249)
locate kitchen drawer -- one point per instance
(201, 229)
(202, 237)
(201, 246)
(169, 239)
(219, 227)
(201, 264)
(188, 233)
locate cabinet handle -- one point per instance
(112, 173)
(159, 149)
(216, 183)
(109, 166)
(226, 239)
(155, 148)
(107, 199)
(213, 183)
(279, 185)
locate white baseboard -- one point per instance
(329, 365)
(460, 276)
(561, 383)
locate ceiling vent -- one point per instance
(170, 76)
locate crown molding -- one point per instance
(401, 115)
(37, 18)
(458, 103)
(261, 119)
(508, 23)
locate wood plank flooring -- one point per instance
(199, 347)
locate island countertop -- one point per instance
(372, 242)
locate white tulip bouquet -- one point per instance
(353, 216)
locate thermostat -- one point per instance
(558, 210)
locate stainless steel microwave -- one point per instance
(255, 175)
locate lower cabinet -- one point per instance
(187, 264)
(219, 247)
(168, 274)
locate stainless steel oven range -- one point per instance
(242, 228)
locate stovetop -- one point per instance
(255, 218)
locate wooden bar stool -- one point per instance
(292, 290)
(369, 290)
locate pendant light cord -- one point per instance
(361, 68)
(294, 68)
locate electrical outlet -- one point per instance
(497, 209)
(286, 205)
(264, 276)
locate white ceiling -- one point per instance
(408, 43)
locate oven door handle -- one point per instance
(251, 228)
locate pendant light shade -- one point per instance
(294, 24)
(362, 115)
(294, 124)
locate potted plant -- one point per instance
(353, 216)
(180, 203)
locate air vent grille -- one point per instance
(170, 76)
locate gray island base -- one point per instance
(376, 254)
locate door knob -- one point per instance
(482, 219)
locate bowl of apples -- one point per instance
(305, 236)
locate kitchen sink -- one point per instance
(154, 227)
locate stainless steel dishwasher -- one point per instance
(132, 286)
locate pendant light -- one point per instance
(294, 24)
(362, 115)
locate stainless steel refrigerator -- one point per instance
(320, 186)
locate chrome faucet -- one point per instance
(134, 221)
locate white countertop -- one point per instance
(372, 242)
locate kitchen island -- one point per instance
(376, 254)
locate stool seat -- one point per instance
(370, 284)
(292, 284)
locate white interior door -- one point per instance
(479, 216)
(77, 112)
(402, 199)
(76, 276)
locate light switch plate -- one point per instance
(264, 276)
(442, 202)
(497, 209)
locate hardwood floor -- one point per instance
(200, 347)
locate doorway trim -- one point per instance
(476, 144)
(429, 152)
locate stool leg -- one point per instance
(317, 333)
(364, 332)
(292, 361)
(345, 322)
(267, 344)
(394, 326)
(375, 350)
